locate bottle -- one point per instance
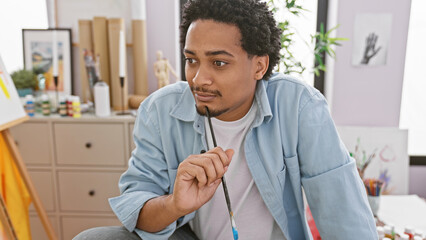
(388, 232)
(409, 231)
(45, 105)
(380, 232)
(69, 106)
(419, 233)
(29, 105)
(393, 231)
(76, 108)
(405, 237)
(102, 105)
(62, 106)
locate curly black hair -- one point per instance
(259, 31)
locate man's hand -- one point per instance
(197, 179)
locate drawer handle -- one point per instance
(92, 193)
(88, 145)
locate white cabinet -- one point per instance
(75, 165)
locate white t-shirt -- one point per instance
(253, 219)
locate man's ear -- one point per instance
(262, 64)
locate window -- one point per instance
(304, 26)
(15, 16)
(413, 104)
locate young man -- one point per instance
(275, 136)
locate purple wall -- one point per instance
(369, 96)
(162, 18)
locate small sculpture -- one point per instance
(161, 70)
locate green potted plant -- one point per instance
(25, 81)
(322, 40)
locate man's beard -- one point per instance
(212, 112)
(202, 109)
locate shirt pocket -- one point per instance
(281, 177)
(172, 178)
(290, 202)
(292, 163)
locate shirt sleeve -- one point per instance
(333, 188)
(147, 177)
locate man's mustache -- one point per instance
(204, 90)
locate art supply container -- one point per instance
(69, 106)
(45, 105)
(29, 105)
(380, 232)
(102, 102)
(63, 106)
(374, 202)
(418, 232)
(76, 108)
(388, 232)
(405, 237)
(409, 231)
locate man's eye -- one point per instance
(190, 60)
(219, 63)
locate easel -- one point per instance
(4, 216)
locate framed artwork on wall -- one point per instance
(386, 151)
(372, 36)
(39, 56)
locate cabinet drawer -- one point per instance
(37, 229)
(87, 191)
(71, 226)
(90, 144)
(43, 183)
(33, 142)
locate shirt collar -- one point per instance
(262, 101)
(184, 109)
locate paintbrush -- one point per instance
(370, 158)
(225, 188)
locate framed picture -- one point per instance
(386, 151)
(39, 54)
(372, 35)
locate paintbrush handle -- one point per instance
(225, 188)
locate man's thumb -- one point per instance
(229, 153)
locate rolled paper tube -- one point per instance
(136, 100)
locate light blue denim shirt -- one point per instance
(292, 143)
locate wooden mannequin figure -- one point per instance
(161, 70)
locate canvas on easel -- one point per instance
(17, 182)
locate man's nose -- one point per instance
(202, 76)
